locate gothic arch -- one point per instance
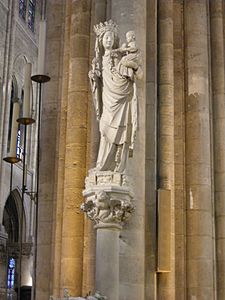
(12, 217)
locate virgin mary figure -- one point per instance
(114, 99)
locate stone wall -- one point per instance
(17, 45)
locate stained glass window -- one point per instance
(22, 9)
(11, 273)
(31, 14)
(10, 114)
(18, 144)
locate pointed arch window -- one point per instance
(22, 9)
(27, 12)
(31, 14)
(19, 143)
(11, 273)
(11, 113)
(13, 97)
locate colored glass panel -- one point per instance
(31, 14)
(11, 273)
(22, 9)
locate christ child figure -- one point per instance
(130, 62)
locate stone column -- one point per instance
(59, 191)
(217, 48)
(179, 152)
(200, 260)
(107, 260)
(75, 153)
(108, 204)
(98, 14)
(131, 15)
(151, 151)
(166, 280)
(48, 145)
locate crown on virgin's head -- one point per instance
(101, 28)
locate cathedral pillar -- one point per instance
(75, 155)
(217, 46)
(165, 288)
(179, 154)
(98, 14)
(48, 146)
(62, 121)
(199, 213)
(131, 15)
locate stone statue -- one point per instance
(96, 296)
(113, 82)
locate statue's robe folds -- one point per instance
(118, 119)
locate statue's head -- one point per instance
(130, 36)
(106, 36)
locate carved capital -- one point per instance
(108, 198)
(14, 249)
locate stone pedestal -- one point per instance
(108, 204)
(107, 260)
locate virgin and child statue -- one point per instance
(113, 82)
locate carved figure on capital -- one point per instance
(113, 81)
(103, 208)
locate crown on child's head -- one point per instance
(101, 28)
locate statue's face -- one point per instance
(108, 40)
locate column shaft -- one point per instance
(165, 288)
(217, 46)
(179, 151)
(200, 276)
(75, 157)
(166, 94)
(48, 145)
(59, 191)
(131, 15)
(150, 146)
(107, 262)
(98, 14)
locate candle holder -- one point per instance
(25, 121)
(39, 79)
(12, 160)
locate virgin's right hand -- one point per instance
(91, 75)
